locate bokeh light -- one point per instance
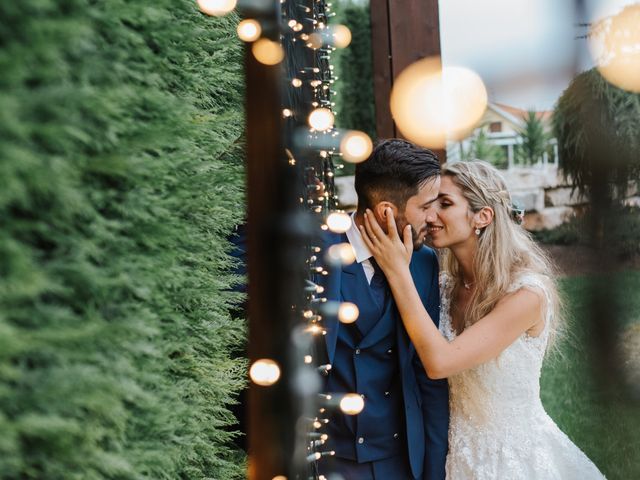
(356, 146)
(348, 312)
(264, 372)
(339, 222)
(321, 119)
(249, 30)
(267, 51)
(216, 8)
(341, 253)
(431, 105)
(351, 404)
(614, 42)
(341, 36)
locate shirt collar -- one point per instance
(357, 242)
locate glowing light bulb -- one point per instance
(249, 30)
(314, 41)
(216, 8)
(308, 359)
(431, 104)
(286, 113)
(296, 82)
(321, 119)
(267, 51)
(348, 312)
(614, 43)
(352, 404)
(356, 146)
(341, 253)
(341, 36)
(264, 372)
(339, 222)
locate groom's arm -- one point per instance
(435, 396)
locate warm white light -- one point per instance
(339, 222)
(314, 41)
(267, 51)
(264, 372)
(615, 46)
(430, 104)
(341, 253)
(279, 477)
(296, 82)
(356, 146)
(216, 7)
(249, 30)
(286, 113)
(341, 36)
(308, 359)
(348, 312)
(352, 404)
(321, 119)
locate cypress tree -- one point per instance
(120, 179)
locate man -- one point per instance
(402, 431)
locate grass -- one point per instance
(605, 427)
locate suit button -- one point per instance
(361, 440)
(395, 435)
(386, 394)
(357, 351)
(390, 351)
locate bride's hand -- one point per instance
(392, 253)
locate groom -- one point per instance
(402, 431)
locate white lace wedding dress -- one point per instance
(499, 429)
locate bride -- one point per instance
(499, 314)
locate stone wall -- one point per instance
(542, 191)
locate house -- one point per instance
(501, 125)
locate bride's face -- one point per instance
(450, 220)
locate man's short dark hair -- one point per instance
(395, 171)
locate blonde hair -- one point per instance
(506, 250)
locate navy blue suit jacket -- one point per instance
(426, 401)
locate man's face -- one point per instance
(416, 210)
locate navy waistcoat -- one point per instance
(366, 362)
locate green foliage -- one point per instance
(603, 426)
(481, 149)
(120, 177)
(597, 126)
(535, 140)
(622, 226)
(355, 101)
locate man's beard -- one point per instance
(416, 239)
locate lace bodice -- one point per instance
(499, 428)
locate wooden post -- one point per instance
(402, 32)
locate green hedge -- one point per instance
(120, 178)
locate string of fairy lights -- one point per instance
(317, 148)
(430, 105)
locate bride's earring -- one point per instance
(477, 231)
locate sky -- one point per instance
(526, 51)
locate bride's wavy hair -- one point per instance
(505, 249)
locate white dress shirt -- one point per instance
(360, 248)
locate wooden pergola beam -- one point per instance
(402, 32)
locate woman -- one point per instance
(499, 313)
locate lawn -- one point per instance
(606, 428)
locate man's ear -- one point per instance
(380, 209)
(483, 217)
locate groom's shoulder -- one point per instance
(425, 258)
(425, 253)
